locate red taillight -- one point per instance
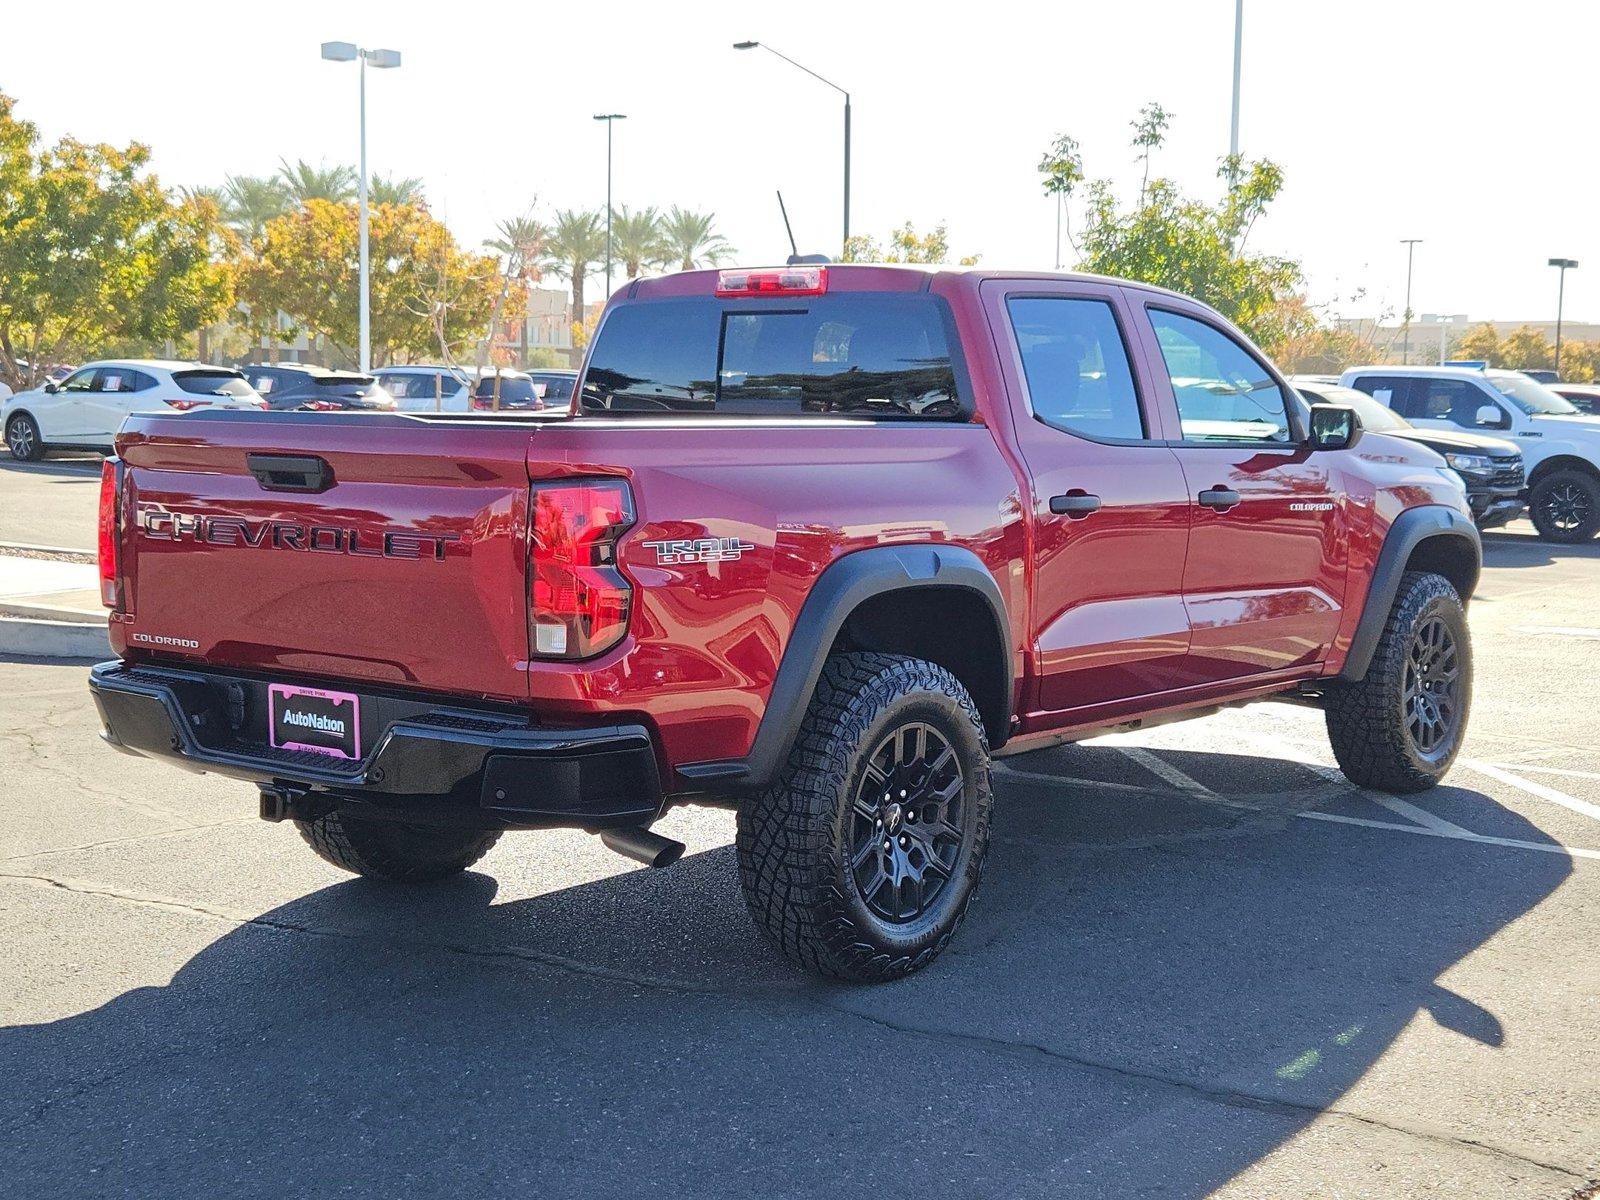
(579, 601)
(186, 405)
(320, 406)
(779, 281)
(110, 472)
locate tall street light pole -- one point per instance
(846, 95)
(610, 119)
(1411, 249)
(1238, 65)
(382, 59)
(1561, 295)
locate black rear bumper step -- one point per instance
(433, 761)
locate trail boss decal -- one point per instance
(699, 550)
(160, 525)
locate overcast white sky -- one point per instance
(1471, 125)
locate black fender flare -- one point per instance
(841, 587)
(1410, 529)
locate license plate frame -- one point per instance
(318, 720)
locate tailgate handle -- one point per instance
(290, 472)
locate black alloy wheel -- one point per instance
(907, 825)
(1432, 674)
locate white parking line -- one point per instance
(1537, 770)
(1460, 835)
(1168, 773)
(1534, 789)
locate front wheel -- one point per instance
(22, 438)
(1400, 727)
(1565, 506)
(393, 850)
(860, 860)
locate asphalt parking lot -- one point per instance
(1201, 964)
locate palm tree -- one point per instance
(385, 189)
(690, 241)
(521, 243)
(250, 201)
(636, 239)
(576, 243)
(305, 182)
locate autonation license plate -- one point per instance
(305, 718)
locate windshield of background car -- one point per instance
(513, 390)
(865, 354)
(1527, 394)
(214, 383)
(1375, 418)
(556, 387)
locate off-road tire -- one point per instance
(1368, 721)
(1553, 495)
(392, 850)
(795, 840)
(23, 440)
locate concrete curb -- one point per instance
(30, 638)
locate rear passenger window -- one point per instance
(852, 354)
(1223, 392)
(1076, 365)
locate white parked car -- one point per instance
(1560, 445)
(427, 388)
(85, 410)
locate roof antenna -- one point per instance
(795, 257)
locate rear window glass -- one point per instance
(852, 354)
(512, 390)
(212, 383)
(407, 385)
(556, 387)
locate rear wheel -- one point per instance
(1400, 728)
(859, 862)
(394, 850)
(22, 437)
(1565, 506)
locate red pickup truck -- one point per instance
(816, 542)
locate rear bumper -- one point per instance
(430, 762)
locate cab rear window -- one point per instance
(882, 355)
(213, 383)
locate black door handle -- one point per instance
(290, 472)
(1076, 505)
(1219, 498)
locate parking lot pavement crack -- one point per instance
(128, 840)
(1228, 1097)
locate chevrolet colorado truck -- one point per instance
(815, 543)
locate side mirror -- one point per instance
(1334, 427)
(1490, 417)
(50, 388)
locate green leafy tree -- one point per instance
(1480, 344)
(576, 243)
(1062, 168)
(690, 241)
(421, 282)
(305, 182)
(638, 241)
(94, 250)
(250, 201)
(386, 189)
(1194, 246)
(1526, 349)
(905, 245)
(1149, 132)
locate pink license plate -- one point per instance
(324, 722)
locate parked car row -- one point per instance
(84, 410)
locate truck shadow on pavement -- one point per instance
(1151, 994)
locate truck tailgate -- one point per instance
(406, 566)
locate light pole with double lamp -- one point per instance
(1564, 265)
(610, 119)
(841, 91)
(383, 59)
